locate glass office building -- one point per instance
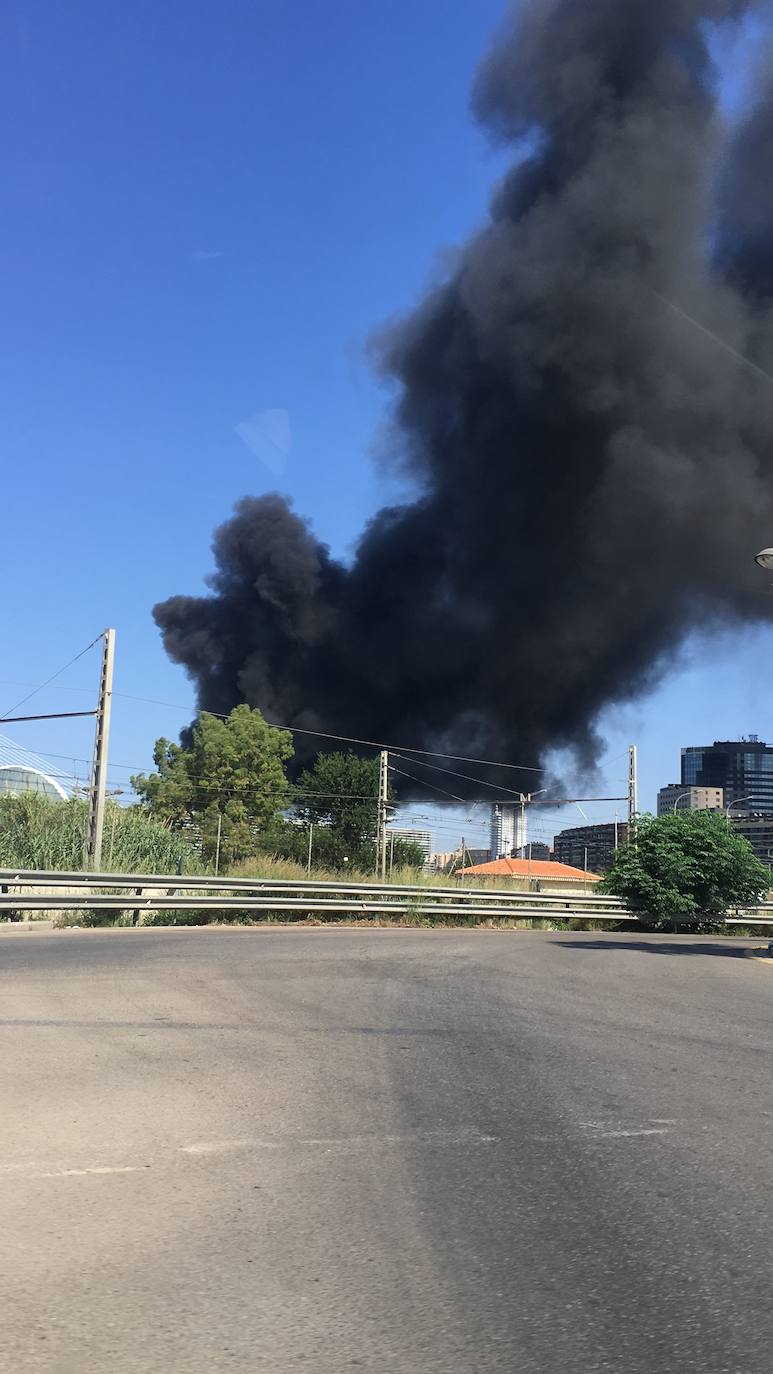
(742, 768)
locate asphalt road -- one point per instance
(407, 1152)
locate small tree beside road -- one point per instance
(230, 778)
(687, 868)
(339, 797)
(339, 794)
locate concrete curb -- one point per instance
(24, 927)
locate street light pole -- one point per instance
(736, 802)
(679, 798)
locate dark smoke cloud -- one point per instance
(594, 473)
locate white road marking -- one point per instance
(212, 1147)
(101, 1169)
(605, 1130)
(217, 1147)
(622, 1135)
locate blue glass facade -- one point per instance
(743, 768)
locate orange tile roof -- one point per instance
(530, 868)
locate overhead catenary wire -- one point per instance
(49, 715)
(344, 739)
(395, 750)
(423, 783)
(57, 674)
(292, 793)
(452, 772)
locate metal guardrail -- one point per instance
(172, 882)
(304, 905)
(151, 892)
(173, 892)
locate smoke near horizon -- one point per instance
(594, 469)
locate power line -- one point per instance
(78, 758)
(423, 783)
(345, 739)
(292, 793)
(58, 673)
(419, 763)
(572, 801)
(20, 682)
(50, 715)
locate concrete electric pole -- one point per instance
(381, 830)
(92, 850)
(633, 791)
(521, 845)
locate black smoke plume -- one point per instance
(594, 470)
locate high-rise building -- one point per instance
(675, 797)
(590, 847)
(421, 838)
(505, 830)
(742, 768)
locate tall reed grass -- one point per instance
(45, 833)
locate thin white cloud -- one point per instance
(267, 434)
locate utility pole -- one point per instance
(522, 837)
(92, 850)
(217, 848)
(381, 829)
(311, 840)
(633, 792)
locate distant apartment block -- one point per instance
(590, 847)
(449, 860)
(675, 796)
(535, 849)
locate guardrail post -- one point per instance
(12, 915)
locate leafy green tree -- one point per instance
(405, 854)
(340, 795)
(231, 773)
(687, 868)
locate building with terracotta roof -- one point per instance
(537, 874)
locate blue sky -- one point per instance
(206, 211)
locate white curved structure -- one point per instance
(23, 771)
(14, 778)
